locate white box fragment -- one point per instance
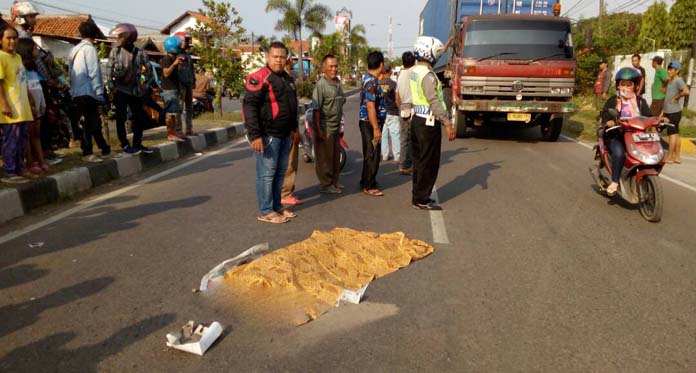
(218, 272)
(194, 341)
(352, 296)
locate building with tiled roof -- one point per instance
(59, 32)
(184, 22)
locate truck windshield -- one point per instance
(518, 39)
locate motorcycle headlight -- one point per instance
(646, 158)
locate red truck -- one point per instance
(510, 69)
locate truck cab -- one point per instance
(511, 62)
(513, 70)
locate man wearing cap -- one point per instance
(674, 101)
(602, 84)
(635, 62)
(659, 86)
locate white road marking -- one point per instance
(662, 176)
(87, 204)
(437, 222)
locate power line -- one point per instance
(109, 11)
(573, 7)
(622, 6)
(96, 17)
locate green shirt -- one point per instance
(328, 99)
(660, 79)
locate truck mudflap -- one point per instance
(512, 106)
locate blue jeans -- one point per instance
(618, 157)
(270, 172)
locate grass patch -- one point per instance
(218, 117)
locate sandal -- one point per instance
(373, 192)
(273, 218)
(288, 214)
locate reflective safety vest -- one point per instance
(421, 106)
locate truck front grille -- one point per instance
(511, 86)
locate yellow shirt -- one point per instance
(14, 83)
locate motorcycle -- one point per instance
(307, 143)
(639, 182)
(201, 106)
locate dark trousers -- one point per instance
(406, 147)
(87, 107)
(426, 142)
(372, 154)
(123, 101)
(328, 160)
(618, 157)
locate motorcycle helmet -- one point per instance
(172, 45)
(21, 9)
(126, 30)
(428, 48)
(628, 73)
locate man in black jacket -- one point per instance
(270, 117)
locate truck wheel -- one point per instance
(551, 130)
(460, 125)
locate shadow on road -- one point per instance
(51, 353)
(17, 316)
(102, 220)
(461, 184)
(20, 274)
(215, 162)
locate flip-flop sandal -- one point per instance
(278, 219)
(373, 192)
(288, 214)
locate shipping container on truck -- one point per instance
(512, 62)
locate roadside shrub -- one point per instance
(304, 89)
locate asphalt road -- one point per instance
(541, 273)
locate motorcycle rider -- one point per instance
(629, 105)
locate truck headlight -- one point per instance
(472, 89)
(561, 91)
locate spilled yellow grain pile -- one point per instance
(311, 275)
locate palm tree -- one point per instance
(358, 41)
(301, 14)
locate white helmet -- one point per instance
(428, 48)
(21, 9)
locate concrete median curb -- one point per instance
(72, 182)
(11, 205)
(41, 192)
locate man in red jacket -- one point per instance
(270, 117)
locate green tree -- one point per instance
(681, 27)
(329, 44)
(301, 14)
(654, 27)
(213, 45)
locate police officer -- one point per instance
(430, 114)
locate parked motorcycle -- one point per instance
(307, 144)
(201, 106)
(639, 182)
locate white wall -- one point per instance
(59, 48)
(185, 24)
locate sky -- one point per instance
(373, 14)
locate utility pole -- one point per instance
(390, 42)
(601, 16)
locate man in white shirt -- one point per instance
(403, 100)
